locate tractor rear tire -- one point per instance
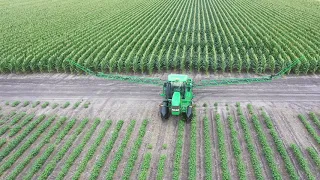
(189, 114)
(164, 110)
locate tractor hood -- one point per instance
(176, 99)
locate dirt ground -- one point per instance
(282, 99)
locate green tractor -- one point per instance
(177, 96)
(177, 90)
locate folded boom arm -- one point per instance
(232, 81)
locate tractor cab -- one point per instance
(177, 93)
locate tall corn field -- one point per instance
(150, 36)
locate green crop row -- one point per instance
(237, 149)
(34, 152)
(207, 149)
(39, 162)
(76, 105)
(315, 156)
(4, 129)
(310, 129)
(44, 105)
(2, 142)
(267, 151)
(15, 103)
(17, 118)
(107, 149)
(135, 150)
(222, 149)
(65, 105)
(52, 164)
(256, 164)
(118, 156)
(20, 137)
(94, 147)
(26, 103)
(35, 104)
(55, 105)
(15, 129)
(33, 137)
(76, 152)
(36, 166)
(145, 167)
(160, 169)
(302, 162)
(65, 131)
(315, 119)
(280, 147)
(193, 148)
(178, 151)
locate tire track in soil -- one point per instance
(200, 145)
(158, 138)
(170, 141)
(184, 167)
(266, 171)
(216, 165)
(245, 153)
(231, 158)
(293, 136)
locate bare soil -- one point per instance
(282, 99)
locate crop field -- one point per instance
(147, 36)
(53, 128)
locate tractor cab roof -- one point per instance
(177, 78)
